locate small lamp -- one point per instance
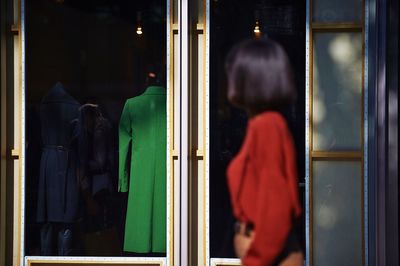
(257, 31)
(139, 30)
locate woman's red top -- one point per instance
(262, 180)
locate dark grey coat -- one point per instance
(58, 192)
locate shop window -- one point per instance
(96, 129)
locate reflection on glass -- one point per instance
(337, 208)
(337, 11)
(232, 22)
(337, 74)
(85, 62)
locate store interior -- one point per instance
(101, 53)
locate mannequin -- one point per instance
(142, 134)
(58, 193)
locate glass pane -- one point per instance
(174, 7)
(337, 11)
(337, 213)
(337, 86)
(96, 128)
(232, 22)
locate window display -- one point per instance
(96, 170)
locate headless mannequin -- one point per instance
(58, 193)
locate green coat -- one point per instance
(143, 135)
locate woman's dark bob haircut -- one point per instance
(259, 76)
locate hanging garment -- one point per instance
(143, 135)
(102, 158)
(96, 150)
(58, 193)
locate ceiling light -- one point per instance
(257, 31)
(139, 30)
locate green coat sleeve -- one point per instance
(125, 138)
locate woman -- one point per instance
(262, 178)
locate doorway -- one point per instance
(231, 22)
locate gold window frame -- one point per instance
(312, 155)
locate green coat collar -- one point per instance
(155, 90)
